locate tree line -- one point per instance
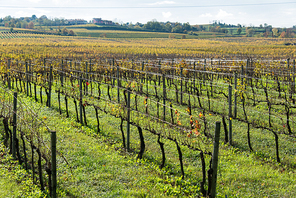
(23, 22)
(40, 23)
(265, 30)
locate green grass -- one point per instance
(98, 169)
(101, 168)
(125, 34)
(11, 187)
(14, 180)
(91, 30)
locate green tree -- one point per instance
(224, 30)
(266, 34)
(178, 29)
(250, 32)
(24, 24)
(65, 31)
(34, 17)
(27, 19)
(153, 25)
(275, 32)
(289, 33)
(31, 25)
(168, 27)
(187, 26)
(283, 34)
(71, 33)
(18, 24)
(239, 30)
(12, 22)
(231, 31)
(7, 18)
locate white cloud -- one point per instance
(34, 1)
(206, 15)
(222, 14)
(23, 14)
(166, 14)
(59, 2)
(242, 13)
(65, 2)
(289, 11)
(163, 3)
(30, 11)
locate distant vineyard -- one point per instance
(65, 47)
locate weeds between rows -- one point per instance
(108, 89)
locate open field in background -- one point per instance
(91, 30)
(126, 34)
(156, 30)
(100, 164)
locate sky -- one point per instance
(249, 13)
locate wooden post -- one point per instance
(27, 79)
(62, 73)
(204, 73)
(30, 77)
(113, 72)
(142, 79)
(44, 65)
(181, 85)
(247, 67)
(8, 79)
(80, 102)
(118, 84)
(86, 76)
(53, 164)
(293, 83)
(128, 118)
(14, 125)
(235, 95)
(194, 75)
(159, 71)
(90, 69)
(242, 75)
(164, 94)
(49, 86)
(215, 159)
(230, 113)
(146, 81)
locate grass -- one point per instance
(14, 180)
(12, 189)
(126, 34)
(101, 168)
(95, 31)
(98, 170)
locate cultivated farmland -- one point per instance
(137, 117)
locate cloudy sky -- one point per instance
(252, 12)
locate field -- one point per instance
(137, 117)
(111, 32)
